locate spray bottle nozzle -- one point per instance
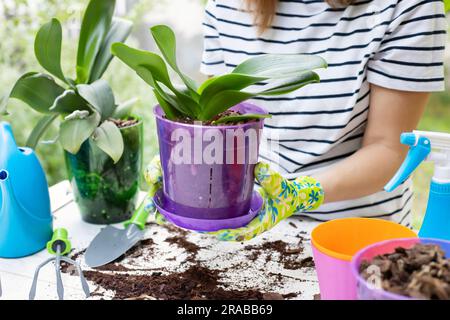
(408, 139)
(420, 144)
(420, 148)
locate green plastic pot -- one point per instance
(105, 192)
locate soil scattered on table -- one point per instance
(287, 255)
(196, 283)
(421, 272)
(190, 247)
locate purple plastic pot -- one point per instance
(208, 173)
(208, 225)
(367, 291)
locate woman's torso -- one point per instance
(320, 124)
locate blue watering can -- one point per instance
(25, 216)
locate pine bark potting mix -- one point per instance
(422, 272)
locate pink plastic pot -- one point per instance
(335, 243)
(367, 291)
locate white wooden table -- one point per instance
(265, 273)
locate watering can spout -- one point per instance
(7, 142)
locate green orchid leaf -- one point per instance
(180, 100)
(138, 59)
(280, 65)
(47, 48)
(232, 81)
(288, 85)
(38, 90)
(94, 28)
(109, 139)
(39, 130)
(205, 84)
(172, 99)
(166, 42)
(119, 32)
(73, 131)
(169, 111)
(160, 94)
(153, 70)
(242, 117)
(222, 101)
(100, 96)
(124, 109)
(68, 102)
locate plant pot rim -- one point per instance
(158, 113)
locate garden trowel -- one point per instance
(113, 242)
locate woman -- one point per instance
(384, 57)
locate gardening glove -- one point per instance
(153, 177)
(282, 198)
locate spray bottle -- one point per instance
(435, 147)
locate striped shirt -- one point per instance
(397, 44)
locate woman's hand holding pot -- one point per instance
(282, 198)
(153, 177)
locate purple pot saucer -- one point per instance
(209, 225)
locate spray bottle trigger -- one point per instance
(420, 148)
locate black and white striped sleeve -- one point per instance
(411, 55)
(213, 61)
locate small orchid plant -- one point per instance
(272, 74)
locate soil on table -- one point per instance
(421, 272)
(287, 256)
(211, 122)
(196, 283)
(196, 280)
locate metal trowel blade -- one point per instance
(111, 243)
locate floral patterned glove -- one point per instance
(282, 198)
(153, 177)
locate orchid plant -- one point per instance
(271, 74)
(85, 104)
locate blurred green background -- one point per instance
(22, 18)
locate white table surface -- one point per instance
(16, 274)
